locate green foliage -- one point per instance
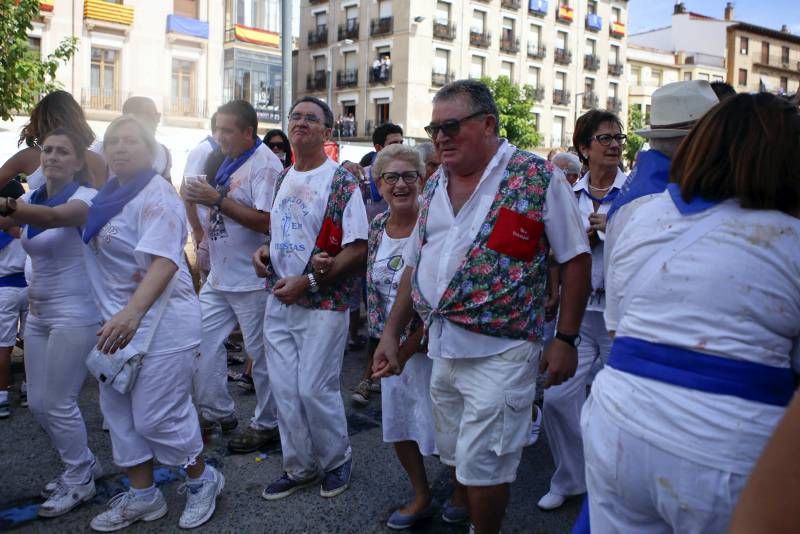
(24, 76)
(515, 104)
(635, 142)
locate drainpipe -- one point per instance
(286, 60)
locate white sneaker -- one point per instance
(124, 509)
(50, 487)
(551, 501)
(201, 500)
(65, 498)
(536, 427)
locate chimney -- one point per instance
(785, 29)
(729, 11)
(679, 8)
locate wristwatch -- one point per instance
(312, 283)
(571, 340)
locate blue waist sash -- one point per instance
(694, 370)
(13, 280)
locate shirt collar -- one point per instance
(583, 182)
(498, 162)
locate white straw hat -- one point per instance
(677, 107)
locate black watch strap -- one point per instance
(571, 340)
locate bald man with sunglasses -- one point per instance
(477, 274)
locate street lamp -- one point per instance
(330, 68)
(575, 120)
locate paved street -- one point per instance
(378, 484)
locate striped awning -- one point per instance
(106, 11)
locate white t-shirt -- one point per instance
(60, 291)
(12, 258)
(152, 224)
(195, 166)
(36, 179)
(231, 245)
(388, 269)
(450, 236)
(734, 293)
(297, 216)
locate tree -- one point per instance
(635, 142)
(514, 104)
(24, 76)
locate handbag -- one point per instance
(120, 370)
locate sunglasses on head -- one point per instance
(450, 127)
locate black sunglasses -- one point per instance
(273, 146)
(450, 127)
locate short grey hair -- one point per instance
(426, 150)
(573, 164)
(391, 153)
(478, 94)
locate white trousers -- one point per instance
(562, 407)
(222, 310)
(636, 487)
(156, 419)
(55, 371)
(305, 349)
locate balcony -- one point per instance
(615, 69)
(346, 78)
(345, 127)
(318, 36)
(348, 30)
(594, 23)
(380, 75)
(176, 24)
(617, 29)
(565, 14)
(614, 105)
(537, 51)
(537, 93)
(184, 107)
(591, 62)
(563, 56)
(443, 29)
(777, 62)
(561, 97)
(438, 79)
(510, 45)
(590, 100)
(537, 8)
(510, 4)
(102, 99)
(317, 81)
(381, 26)
(480, 39)
(99, 10)
(246, 34)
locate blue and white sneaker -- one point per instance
(285, 486)
(337, 480)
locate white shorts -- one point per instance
(13, 308)
(482, 409)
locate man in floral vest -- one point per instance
(476, 273)
(315, 213)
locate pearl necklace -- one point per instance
(601, 188)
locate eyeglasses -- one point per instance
(309, 118)
(605, 139)
(450, 127)
(408, 177)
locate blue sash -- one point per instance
(111, 199)
(610, 196)
(5, 239)
(697, 204)
(703, 372)
(650, 176)
(13, 280)
(230, 165)
(39, 198)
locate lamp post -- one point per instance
(330, 68)
(575, 119)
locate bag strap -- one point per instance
(667, 252)
(162, 306)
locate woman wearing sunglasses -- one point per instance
(277, 141)
(599, 139)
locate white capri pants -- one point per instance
(13, 310)
(55, 371)
(156, 419)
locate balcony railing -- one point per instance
(591, 62)
(381, 74)
(561, 97)
(438, 79)
(617, 29)
(590, 100)
(509, 45)
(614, 105)
(537, 51)
(565, 14)
(317, 81)
(108, 12)
(97, 98)
(346, 78)
(615, 69)
(538, 94)
(480, 39)
(537, 8)
(318, 36)
(562, 56)
(443, 29)
(381, 26)
(348, 30)
(594, 23)
(779, 62)
(510, 4)
(345, 127)
(184, 107)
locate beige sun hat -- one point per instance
(677, 107)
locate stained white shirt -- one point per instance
(61, 289)
(387, 269)
(297, 216)
(231, 245)
(734, 293)
(449, 236)
(196, 166)
(152, 224)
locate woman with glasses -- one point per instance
(277, 141)
(599, 139)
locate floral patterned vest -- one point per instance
(335, 296)
(493, 293)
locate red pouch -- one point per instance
(330, 237)
(515, 235)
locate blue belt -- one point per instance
(13, 280)
(695, 370)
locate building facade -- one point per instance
(383, 60)
(763, 59)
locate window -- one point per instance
(507, 69)
(588, 86)
(104, 79)
(613, 90)
(535, 34)
(534, 75)
(613, 57)
(536, 121)
(441, 61)
(636, 75)
(561, 40)
(765, 52)
(478, 21)
(321, 20)
(591, 47)
(784, 54)
(442, 13)
(351, 16)
(35, 45)
(183, 88)
(742, 76)
(656, 77)
(185, 8)
(263, 14)
(744, 45)
(561, 81)
(592, 7)
(385, 11)
(477, 67)
(558, 131)
(350, 61)
(616, 14)
(508, 29)
(320, 63)
(381, 111)
(784, 85)
(256, 78)
(687, 76)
